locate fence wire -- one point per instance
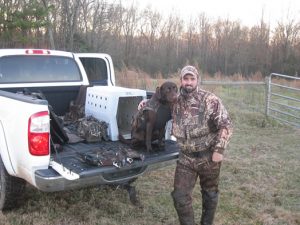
(278, 97)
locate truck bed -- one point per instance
(72, 161)
(68, 168)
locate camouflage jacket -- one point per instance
(201, 122)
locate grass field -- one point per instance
(260, 181)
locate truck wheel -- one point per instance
(11, 189)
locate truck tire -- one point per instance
(11, 189)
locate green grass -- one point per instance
(259, 184)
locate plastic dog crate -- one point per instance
(114, 105)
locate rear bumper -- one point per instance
(49, 180)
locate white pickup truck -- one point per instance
(26, 155)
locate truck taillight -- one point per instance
(38, 133)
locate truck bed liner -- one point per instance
(71, 156)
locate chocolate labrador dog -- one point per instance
(150, 121)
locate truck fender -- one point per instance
(4, 151)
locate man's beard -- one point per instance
(189, 89)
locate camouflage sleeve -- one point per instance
(220, 118)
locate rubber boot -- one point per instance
(209, 206)
(184, 210)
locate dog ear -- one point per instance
(158, 94)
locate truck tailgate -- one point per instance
(71, 161)
(71, 158)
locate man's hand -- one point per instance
(142, 104)
(217, 157)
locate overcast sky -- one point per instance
(248, 12)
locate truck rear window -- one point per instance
(33, 68)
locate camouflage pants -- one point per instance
(187, 171)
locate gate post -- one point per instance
(268, 93)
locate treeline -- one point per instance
(146, 40)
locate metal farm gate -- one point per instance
(283, 98)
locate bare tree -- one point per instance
(191, 39)
(259, 52)
(49, 26)
(171, 36)
(129, 29)
(285, 39)
(69, 18)
(204, 40)
(149, 26)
